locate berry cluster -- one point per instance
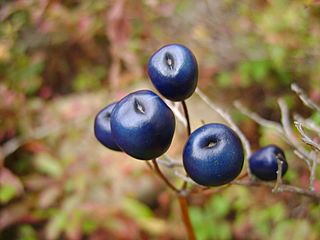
(142, 125)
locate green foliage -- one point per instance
(143, 216)
(316, 118)
(57, 224)
(48, 165)
(137, 209)
(89, 79)
(265, 220)
(224, 79)
(7, 192)
(210, 222)
(26, 232)
(89, 226)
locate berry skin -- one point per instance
(143, 125)
(102, 129)
(263, 163)
(213, 155)
(173, 70)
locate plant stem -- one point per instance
(186, 114)
(163, 177)
(185, 217)
(149, 165)
(180, 192)
(282, 188)
(182, 201)
(182, 198)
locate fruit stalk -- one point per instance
(186, 113)
(182, 201)
(184, 207)
(163, 177)
(185, 217)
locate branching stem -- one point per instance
(183, 203)
(163, 177)
(186, 114)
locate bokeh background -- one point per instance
(62, 61)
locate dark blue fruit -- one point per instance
(102, 129)
(263, 163)
(173, 70)
(213, 155)
(143, 125)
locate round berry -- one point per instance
(173, 70)
(213, 155)
(143, 125)
(102, 129)
(263, 163)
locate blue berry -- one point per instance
(173, 70)
(143, 125)
(102, 129)
(213, 155)
(263, 163)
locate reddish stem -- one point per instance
(185, 217)
(182, 201)
(163, 177)
(180, 192)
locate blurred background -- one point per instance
(62, 61)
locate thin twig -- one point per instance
(175, 109)
(299, 155)
(182, 193)
(189, 180)
(282, 188)
(279, 174)
(258, 119)
(254, 182)
(312, 173)
(184, 177)
(285, 120)
(163, 177)
(242, 176)
(307, 123)
(186, 218)
(186, 114)
(182, 196)
(149, 165)
(283, 130)
(210, 191)
(286, 124)
(304, 98)
(169, 164)
(305, 138)
(229, 120)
